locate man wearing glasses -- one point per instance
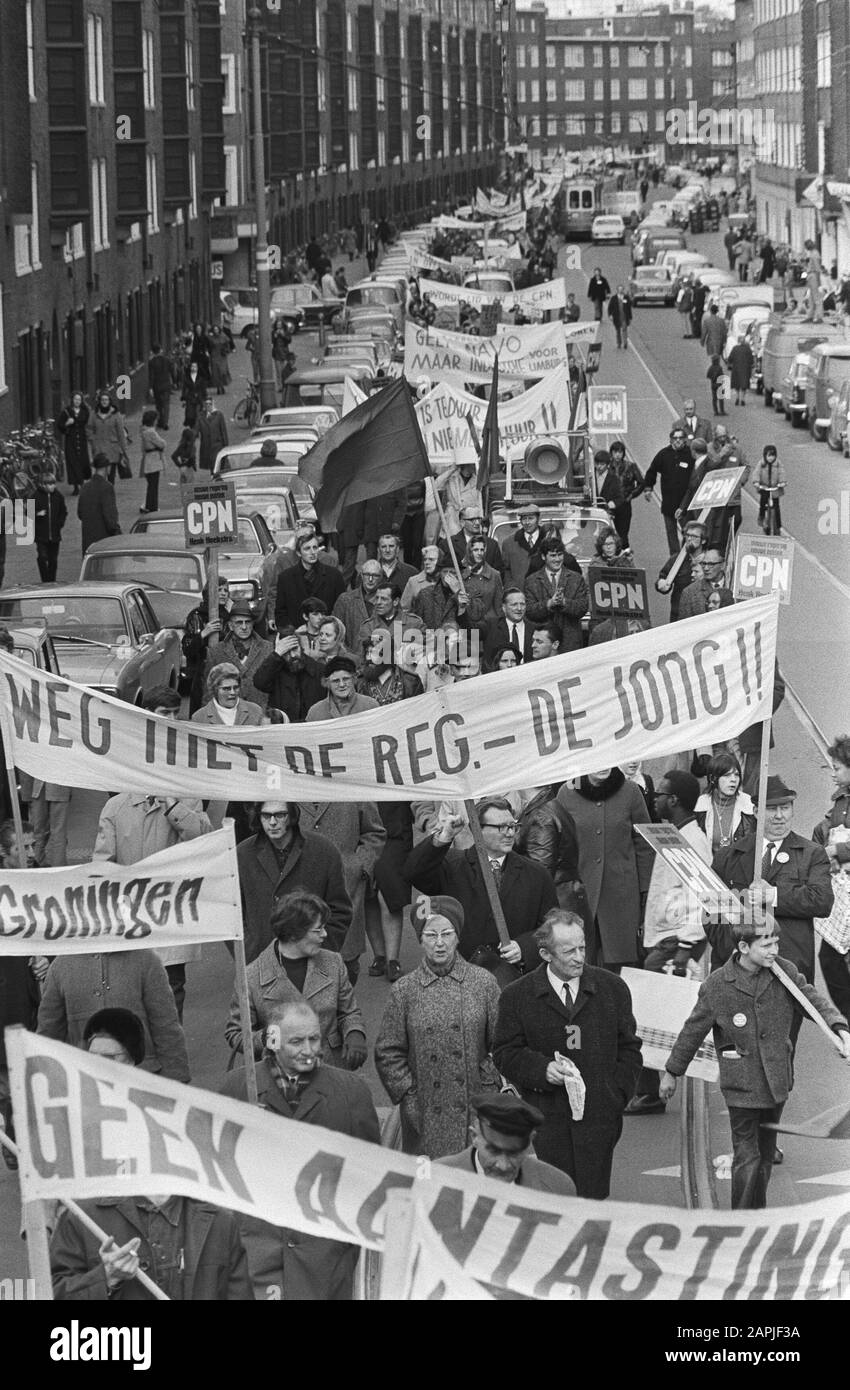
(673, 466)
(472, 525)
(695, 599)
(526, 890)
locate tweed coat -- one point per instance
(432, 1052)
(327, 989)
(517, 555)
(614, 863)
(356, 828)
(750, 1015)
(532, 1027)
(538, 591)
(313, 865)
(804, 891)
(216, 1268)
(291, 1264)
(258, 650)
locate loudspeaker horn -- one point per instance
(546, 462)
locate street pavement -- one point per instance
(659, 370)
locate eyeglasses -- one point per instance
(433, 936)
(274, 815)
(505, 827)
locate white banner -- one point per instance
(661, 1004)
(422, 260)
(552, 294)
(443, 413)
(88, 1127)
(701, 681)
(182, 896)
(524, 353)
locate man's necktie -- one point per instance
(497, 872)
(512, 627)
(768, 858)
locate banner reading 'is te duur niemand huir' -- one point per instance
(87, 1127)
(677, 687)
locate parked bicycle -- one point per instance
(247, 410)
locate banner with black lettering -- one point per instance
(551, 294)
(88, 1127)
(182, 896)
(525, 352)
(695, 682)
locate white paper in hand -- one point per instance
(574, 1086)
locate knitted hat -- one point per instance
(122, 1025)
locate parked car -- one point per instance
(784, 342)
(265, 480)
(322, 417)
(34, 645)
(105, 635)
(838, 430)
(652, 240)
(608, 227)
(742, 315)
(325, 385)
(172, 575)
(792, 391)
(248, 564)
(368, 295)
(237, 456)
(828, 368)
(304, 305)
(651, 284)
(239, 310)
(678, 261)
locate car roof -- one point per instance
(98, 588)
(171, 514)
(831, 350)
(137, 541)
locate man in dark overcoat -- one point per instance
(583, 1014)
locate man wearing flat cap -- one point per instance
(502, 1146)
(342, 698)
(797, 878)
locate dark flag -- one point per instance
(375, 449)
(488, 458)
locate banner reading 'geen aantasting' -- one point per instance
(690, 683)
(88, 1127)
(179, 897)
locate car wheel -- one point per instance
(797, 420)
(832, 439)
(817, 432)
(768, 399)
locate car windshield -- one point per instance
(175, 572)
(838, 371)
(577, 532)
(372, 294)
(236, 463)
(652, 273)
(272, 508)
(296, 487)
(290, 295)
(89, 616)
(173, 526)
(25, 654)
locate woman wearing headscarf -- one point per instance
(107, 433)
(199, 629)
(436, 1035)
(72, 424)
(199, 352)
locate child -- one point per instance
(771, 475)
(184, 457)
(153, 447)
(715, 372)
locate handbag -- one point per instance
(835, 929)
(124, 469)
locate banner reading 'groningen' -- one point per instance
(699, 681)
(81, 1119)
(179, 897)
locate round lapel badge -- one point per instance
(739, 1020)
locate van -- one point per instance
(654, 241)
(829, 368)
(782, 344)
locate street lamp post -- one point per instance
(268, 388)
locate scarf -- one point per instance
(603, 790)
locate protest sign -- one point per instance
(698, 878)
(763, 565)
(182, 896)
(661, 1004)
(607, 409)
(88, 1127)
(458, 358)
(717, 489)
(616, 592)
(444, 415)
(209, 515)
(551, 294)
(699, 682)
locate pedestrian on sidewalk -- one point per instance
(150, 465)
(97, 507)
(212, 432)
(50, 516)
(107, 434)
(160, 383)
(740, 361)
(193, 395)
(716, 375)
(72, 426)
(620, 314)
(184, 458)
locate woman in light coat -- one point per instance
(433, 1049)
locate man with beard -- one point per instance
(381, 679)
(284, 679)
(435, 594)
(673, 466)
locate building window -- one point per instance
(30, 69)
(574, 125)
(148, 62)
(535, 93)
(615, 89)
(552, 125)
(75, 242)
(573, 55)
(659, 55)
(190, 77)
(615, 123)
(719, 87)
(26, 236)
(615, 57)
(597, 55)
(534, 56)
(353, 160)
(599, 125)
(94, 35)
(153, 200)
(231, 176)
(599, 90)
(660, 122)
(721, 58)
(551, 55)
(352, 93)
(638, 56)
(637, 89)
(520, 93)
(689, 56)
(573, 90)
(660, 94)
(193, 185)
(824, 55)
(551, 90)
(689, 88)
(228, 72)
(638, 123)
(99, 206)
(520, 56)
